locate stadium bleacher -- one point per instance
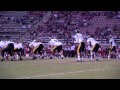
(28, 25)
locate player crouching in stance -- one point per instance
(112, 47)
(36, 47)
(8, 47)
(95, 47)
(81, 47)
(56, 45)
(18, 47)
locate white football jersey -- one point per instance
(2, 44)
(7, 42)
(35, 44)
(112, 41)
(92, 41)
(55, 42)
(16, 45)
(78, 38)
(20, 45)
(31, 44)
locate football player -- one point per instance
(81, 45)
(56, 46)
(95, 47)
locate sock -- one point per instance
(108, 56)
(117, 56)
(96, 56)
(5, 56)
(16, 56)
(43, 55)
(91, 56)
(78, 57)
(82, 58)
(27, 55)
(51, 54)
(62, 56)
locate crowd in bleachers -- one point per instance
(105, 32)
(19, 22)
(61, 24)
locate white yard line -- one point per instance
(57, 74)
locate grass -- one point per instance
(66, 68)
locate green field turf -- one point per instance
(66, 68)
